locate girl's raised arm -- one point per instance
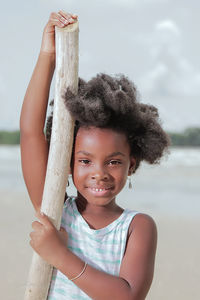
(34, 147)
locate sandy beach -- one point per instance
(177, 270)
(169, 193)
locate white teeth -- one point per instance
(98, 190)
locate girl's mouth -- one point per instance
(99, 191)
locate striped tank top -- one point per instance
(103, 248)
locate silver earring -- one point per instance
(69, 176)
(130, 186)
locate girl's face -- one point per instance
(101, 164)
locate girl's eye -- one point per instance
(114, 162)
(84, 161)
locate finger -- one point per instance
(57, 20)
(64, 14)
(33, 237)
(63, 20)
(54, 16)
(36, 225)
(62, 229)
(59, 23)
(43, 219)
(63, 232)
(31, 243)
(67, 16)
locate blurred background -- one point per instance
(155, 43)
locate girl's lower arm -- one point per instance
(96, 284)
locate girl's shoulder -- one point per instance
(143, 223)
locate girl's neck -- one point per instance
(90, 209)
(98, 217)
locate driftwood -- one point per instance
(59, 154)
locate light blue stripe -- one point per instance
(52, 298)
(60, 291)
(88, 243)
(83, 249)
(64, 280)
(69, 213)
(97, 238)
(78, 251)
(79, 297)
(63, 221)
(77, 228)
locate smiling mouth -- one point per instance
(100, 190)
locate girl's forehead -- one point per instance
(106, 139)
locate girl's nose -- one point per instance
(100, 174)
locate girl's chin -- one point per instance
(97, 197)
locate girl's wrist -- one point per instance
(48, 60)
(47, 54)
(61, 258)
(71, 265)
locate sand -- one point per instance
(177, 271)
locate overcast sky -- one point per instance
(154, 42)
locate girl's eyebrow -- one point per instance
(116, 154)
(84, 153)
(110, 155)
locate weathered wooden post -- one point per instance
(59, 154)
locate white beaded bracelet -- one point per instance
(85, 265)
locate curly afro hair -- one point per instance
(112, 102)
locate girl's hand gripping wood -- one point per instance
(60, 19)
(34, 148)
(47, 241)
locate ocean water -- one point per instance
(172, 187)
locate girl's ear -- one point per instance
(132, 166)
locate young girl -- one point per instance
(101, 251)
